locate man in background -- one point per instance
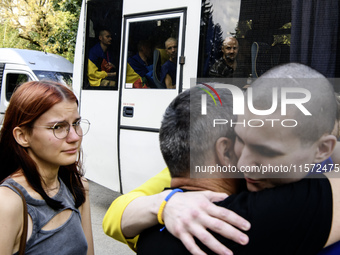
(168, 70)
(139, 67)
(101, 71)
(226, 65)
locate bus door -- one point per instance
(151, 78)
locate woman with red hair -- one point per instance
(40, 155)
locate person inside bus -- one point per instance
(186, 215)
(227, 64)
(168, 69)
(101, 70)
(264, 209)
(139, 67)
(40, 151)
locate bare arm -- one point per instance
(11, 221)
(192, 213)
(185, 215)
(123, 229)
(168, 82)
(147, 208)
(85, 212)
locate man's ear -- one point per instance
(326, 145)
(20, 136)
(224, 148)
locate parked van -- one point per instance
(18, 66)
(122, 149)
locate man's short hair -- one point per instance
(101, 32)
(322, 105)
(185, 131)
(227, 39)
(170, 39)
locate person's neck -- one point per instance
(49, 178)
(143, 57)
(173, 60)
(104, 47)
(229, 186)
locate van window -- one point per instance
(63, 78)
(12, 81)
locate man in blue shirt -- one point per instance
(168, 70)
(101, 71)
(139, 67)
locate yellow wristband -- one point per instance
(161, 208)
(160, 212)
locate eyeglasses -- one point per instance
(62, 129)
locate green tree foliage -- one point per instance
(46, 25)
(9, 37)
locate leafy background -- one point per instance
(44, 25)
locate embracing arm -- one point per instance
(200, 213)
(192, 213)
(85, 212)
(120, 221)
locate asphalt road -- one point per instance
(100, 199)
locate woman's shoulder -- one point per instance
(20, 181)
(85, 183)
(12, 202)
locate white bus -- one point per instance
(121, 150)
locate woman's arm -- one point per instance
(11, 221)
(85, 212)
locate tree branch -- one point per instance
(30, 40)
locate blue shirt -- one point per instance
(324, 167)
(96, 55)
(142, 69)
(168, 67)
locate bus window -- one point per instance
(152, 54)
(261, 31)
(103, 44)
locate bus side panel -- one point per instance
(100, 144)
(142, 151)
(148, 106)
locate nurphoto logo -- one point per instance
(239, 103)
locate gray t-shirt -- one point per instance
(67, 239)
